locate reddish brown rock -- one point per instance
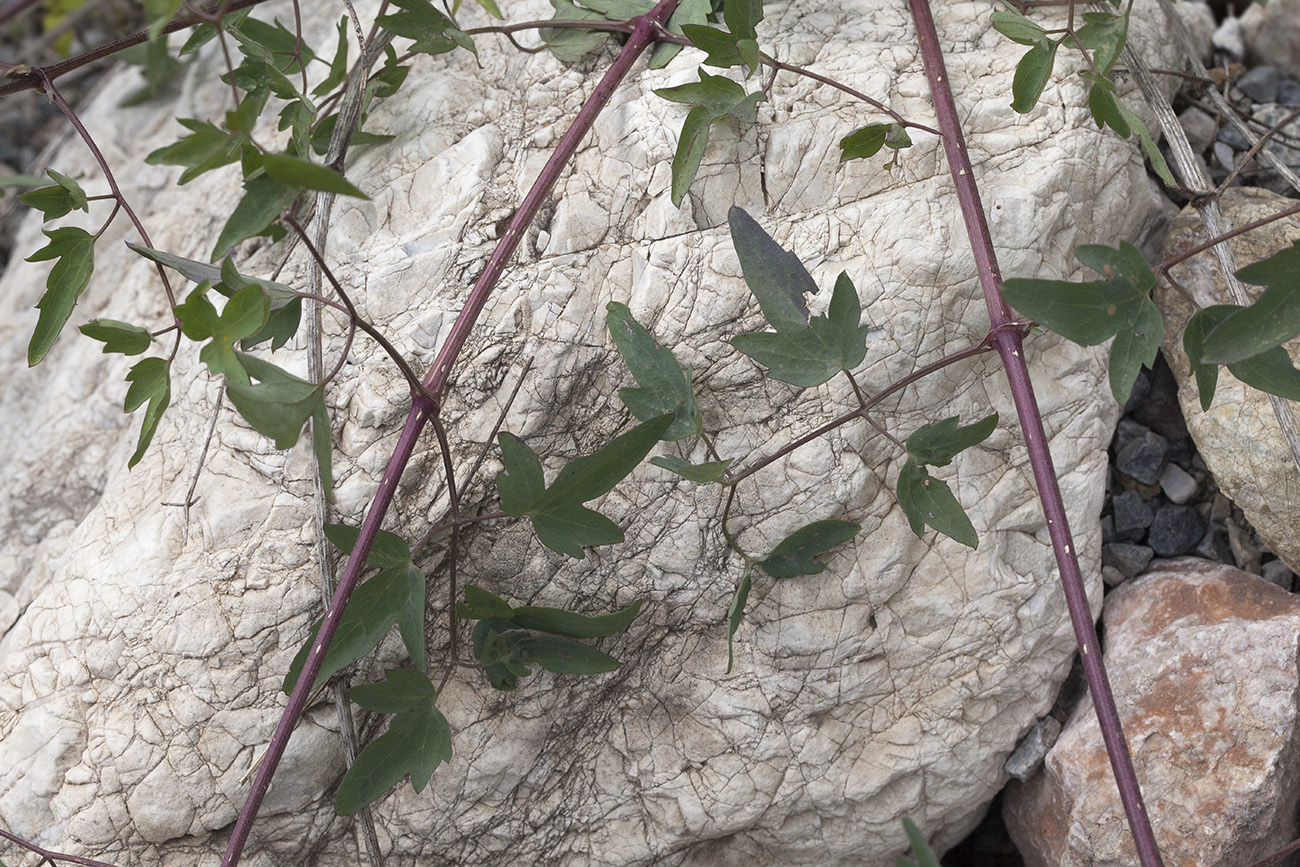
(1203, 662)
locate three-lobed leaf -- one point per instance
(558, 517)
(118, 336)
(58, 200)
(279, 404)
(802, 351)
(938, 443)
(150, 380)
(664, 386)
(927, 500)
(1271, 371)
(1272, 320)
(432, 31)
(417, 741)
(74, 248)
(1090, 313)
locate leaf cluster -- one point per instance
(712, 99)
(508, 641)
(928, 500)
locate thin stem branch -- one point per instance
(1010, 348)
(1219, 239)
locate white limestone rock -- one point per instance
(1238, 436)
(142, 679)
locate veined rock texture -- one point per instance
(142, 679)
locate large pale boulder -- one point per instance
(1202, 659)
(1238, 436)
(142, 679)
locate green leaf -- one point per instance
(557, 621)
(712, 471)
(720, 96)
(207, 147)
(1103, 33)
(279, 405)
(1032, 74)
(558, 518)
(1135, 346)
(388, 551)
(691, 145)
(794, 556)
(433, 32)
(150, 380)
(58, 200)
(736, 613)
(863, 143)
(565, 656)
(777, 278)
(742, 16)
(244, 314)
(312, 176)
(479, 604)
(522, 484)
(202, 272)
(937, 444)
(1271, 321)
(75, 251)
(159, 68)
(720, 46)
(927, 500)
(415, 743)
(372, 610)
(1018, 28)
(118, 336)
(1091, 313)
(402, 689)
(688, 12)
(391, 554)
(571, 45)
(925, 856)
(1271, 371)
(339, 65)
(664, 387)
(1106, 109)
(802, 352)
(280, 326)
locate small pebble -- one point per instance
(1178, 486)
(1245, 552)
(1201, 130)
(1214, 545)
(1221, 508)
(1029, 754)
(1112, 577)
(1127, 431)
(1223, 153)
(1131, 516)
(1143, 459)
(1175, 530)
(1130, 560)
(1261, 84)
(1277, 572)
(1107, 528)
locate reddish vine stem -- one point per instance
(48, 86)
(1009, 346)
(31, 81)
(52, 856)
(423, 408)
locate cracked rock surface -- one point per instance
(141, 680)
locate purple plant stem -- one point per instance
(423, 408)
(1009, 346)
(50, 856)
